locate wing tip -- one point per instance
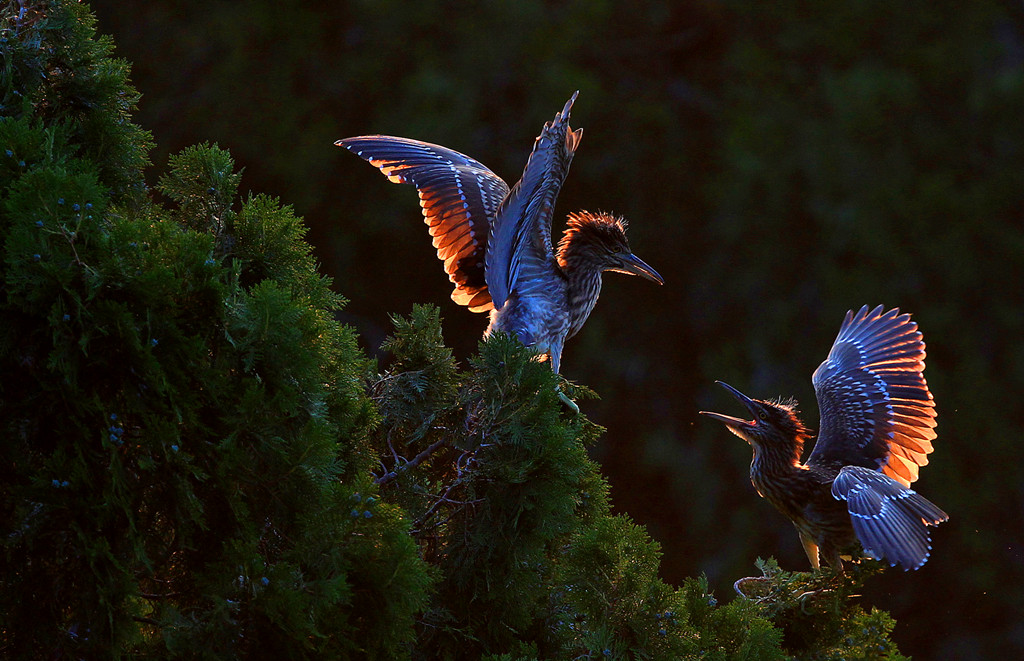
(350, 142)
(568, 104)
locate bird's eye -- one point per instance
(763, 415)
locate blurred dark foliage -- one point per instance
(780, 163)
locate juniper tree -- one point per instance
(183, 421)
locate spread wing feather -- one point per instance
(459, 197)
(890, 520)
(876, 410)
(520, 247)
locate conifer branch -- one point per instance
(461, 465)
(416, 461)
(147, 595)
(443, 498)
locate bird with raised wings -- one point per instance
(876, 431)
(495, 241)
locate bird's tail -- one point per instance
(890, 520)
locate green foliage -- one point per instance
(56, 70)
(515, 518)
(184, 465)
(492, 476)
(610, 598)
(816, 614)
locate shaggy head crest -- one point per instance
(788, 403)
(600, 231)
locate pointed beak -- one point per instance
(630, 264)
(736, 425)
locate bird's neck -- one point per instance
(777, 458)
(583, 283)
(776, 467)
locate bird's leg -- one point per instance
(833, 557)
(810, 548)
(815, 553)
(556, 359)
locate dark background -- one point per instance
(780, 163)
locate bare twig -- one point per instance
(416, 461)
(433, 508)
(147, 595)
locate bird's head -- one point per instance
(599, 240)
(773, 424)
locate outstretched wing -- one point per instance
(876, 410)
(520, 247)
(459, 197)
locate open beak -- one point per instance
(736, 425)
(630, 264)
